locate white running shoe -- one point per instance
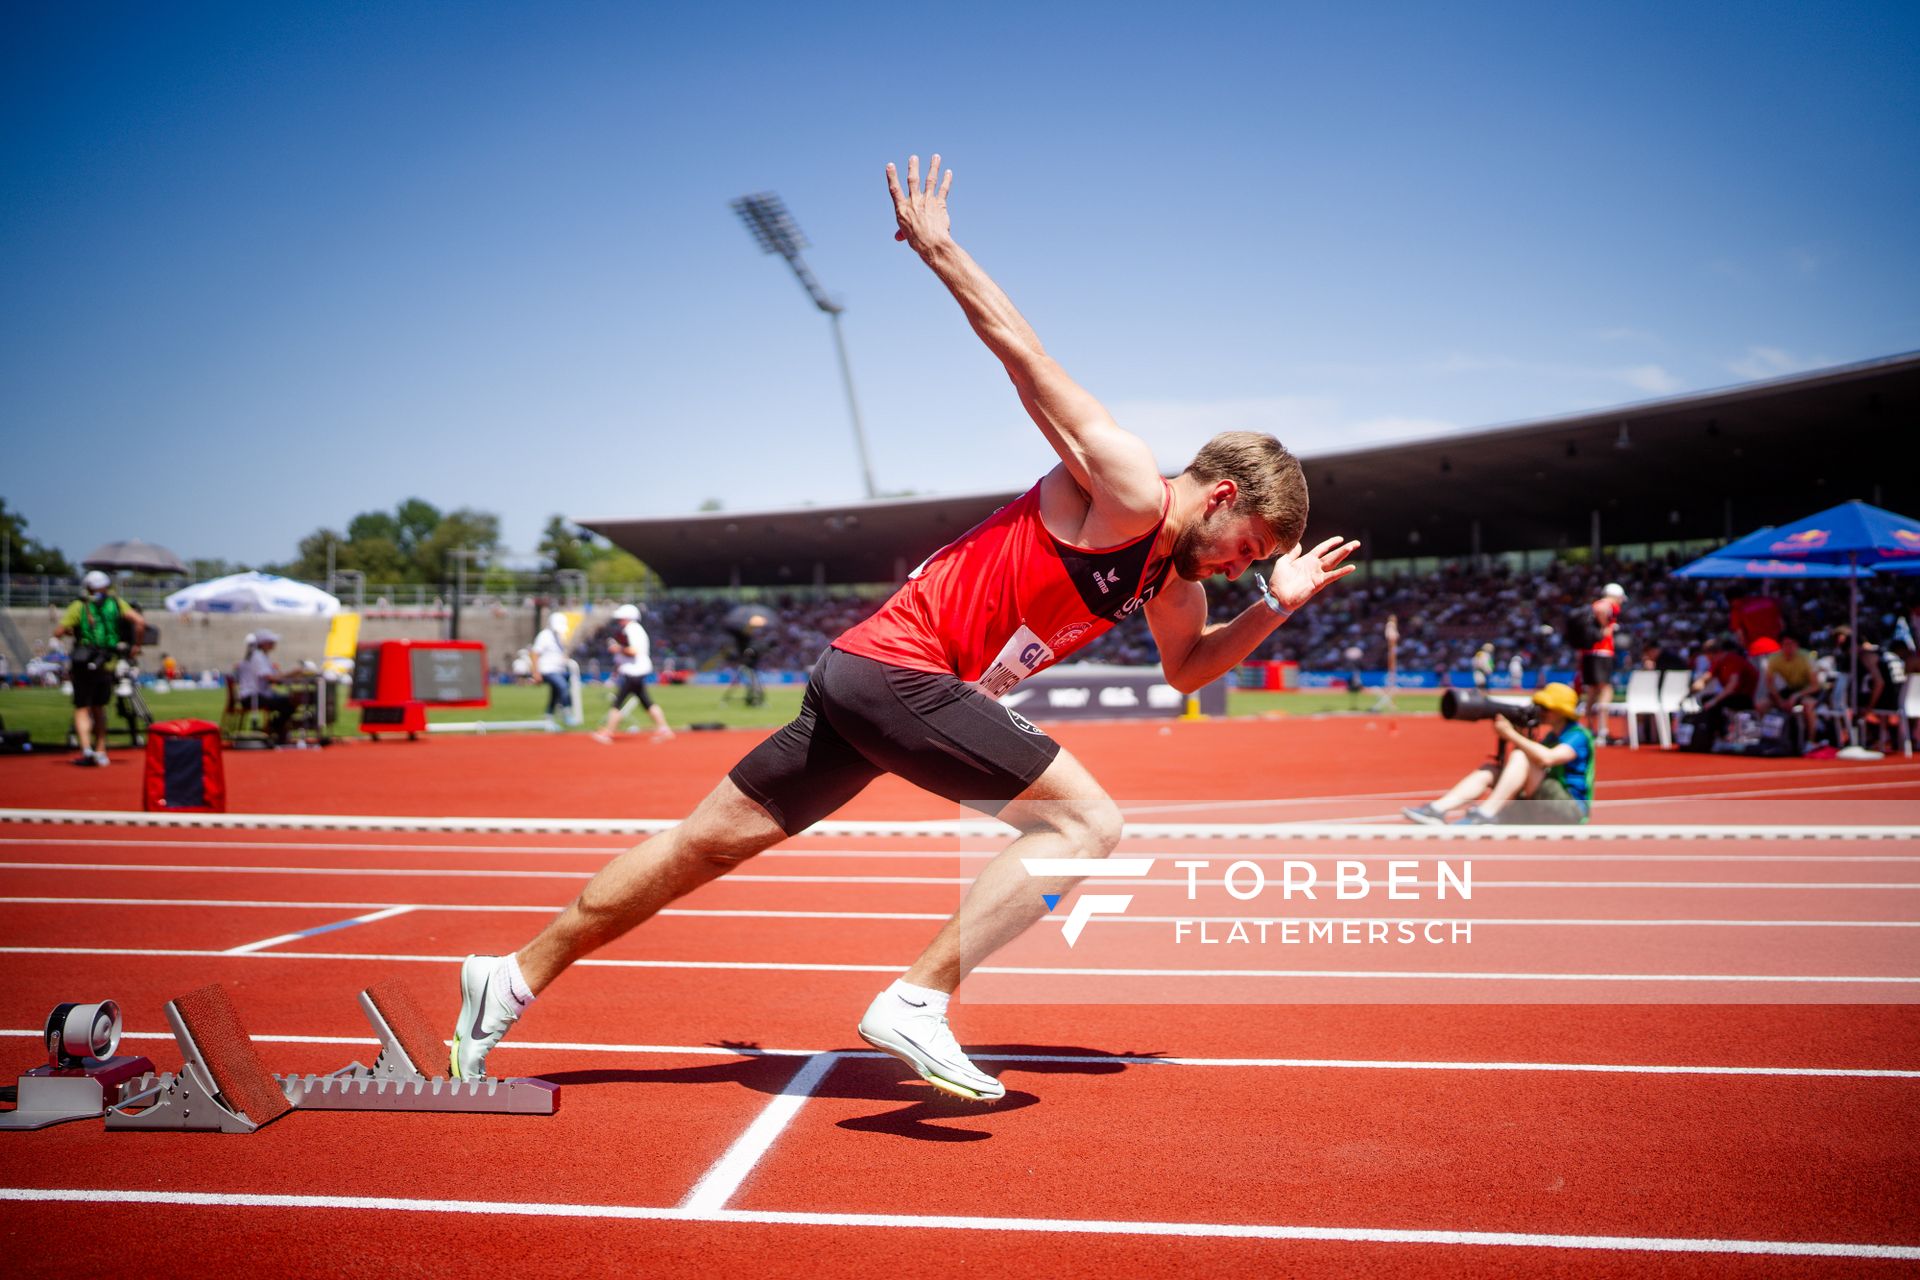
(487, 1009)
(920, 1038)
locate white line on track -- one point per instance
(783, 966)
(395, 908)
(1077, 1226)
(478, 873)
(1210, 806)
(718, 1184)
(1123, 1059)
(965, 828)
(938, 855)
(386, 913)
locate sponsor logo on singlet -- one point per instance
(1021, 656)
(1107, 581)
(1068, 634)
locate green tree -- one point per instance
(561, 544)
(461, 530)
(29, 555)
(417, 521)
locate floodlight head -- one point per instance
(767, 218)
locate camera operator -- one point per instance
(1547, 767)
(102, 626)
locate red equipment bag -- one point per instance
(184, 774)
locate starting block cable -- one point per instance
(224, 1086)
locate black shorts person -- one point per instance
(1596, 669)
(631, 687)
(92, 680)
(861, 718)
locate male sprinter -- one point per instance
(911, 691)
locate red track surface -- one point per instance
(1362, 1132)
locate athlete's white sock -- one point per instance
(919, 997)
(516, 981)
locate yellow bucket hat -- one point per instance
(1559, 698)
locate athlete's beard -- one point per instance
(1189, 554)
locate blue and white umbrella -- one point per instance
(253, 593)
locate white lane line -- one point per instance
(784, 966)
(917, 916)
(944, 855)
(1076, 1226)
(718, 1184)
(385, 914)
(978, 855)
(968, 828)
(473, 873)
(1613, 784)
(1124, 1059)
(1636, 802)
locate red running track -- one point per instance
(1430, 1138)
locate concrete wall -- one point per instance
(215, 641)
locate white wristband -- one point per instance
(1272, 604)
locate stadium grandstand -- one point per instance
(1478, 537)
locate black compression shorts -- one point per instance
(632, 687)
(862, 718)
(1596, 669)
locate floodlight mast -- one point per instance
(767, 219)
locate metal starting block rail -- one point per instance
(223, 1086)
(395, 1082)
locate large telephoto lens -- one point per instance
(1476, 704)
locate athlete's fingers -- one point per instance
(933, 172)
(1337, 556)
(913, 176)
(899, 235)
(1320, 551)
(946, 185)
(893, 186)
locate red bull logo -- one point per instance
(1805, 540)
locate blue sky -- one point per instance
(270, 265)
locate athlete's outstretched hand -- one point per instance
(1298, 576)
(922, 212)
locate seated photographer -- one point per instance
(1536, 777)
(1734, 680)
(254, 681)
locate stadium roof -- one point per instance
(1707, 466)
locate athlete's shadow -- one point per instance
(926, 1114)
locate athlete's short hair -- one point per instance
(1271, 483)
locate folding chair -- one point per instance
(235, 729)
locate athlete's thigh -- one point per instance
(805, 771)
(935, 730)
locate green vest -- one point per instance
(99, 624)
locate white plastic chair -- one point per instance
(1674, 688)
(1643, 699)
(1909, 712)
(1837, 706)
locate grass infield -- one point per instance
(48, 713)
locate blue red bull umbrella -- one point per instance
(1854, 539)
(1851, 533)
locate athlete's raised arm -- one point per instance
(1112, 465)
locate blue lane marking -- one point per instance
(327, 928)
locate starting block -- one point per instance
(223, 1085)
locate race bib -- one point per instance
(1020, 657)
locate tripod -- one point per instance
(743, 677)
